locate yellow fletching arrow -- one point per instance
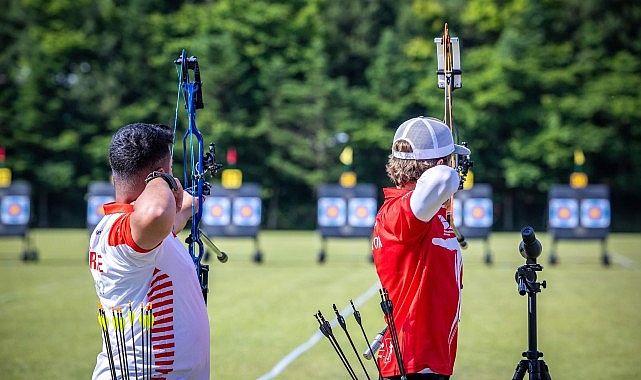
(130, 314)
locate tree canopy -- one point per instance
(281, 79)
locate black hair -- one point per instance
(139, 147)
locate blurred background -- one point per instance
(288, 85)
(302, 98)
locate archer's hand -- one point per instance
(179, 196)
(184, 202)
(184, 213)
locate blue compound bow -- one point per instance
(197, 163)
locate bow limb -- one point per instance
(451, 81)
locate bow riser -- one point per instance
(200, 162)
(449, 78)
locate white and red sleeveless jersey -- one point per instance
(164, 277)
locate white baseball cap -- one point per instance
(429, 138)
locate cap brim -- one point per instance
(460, 149)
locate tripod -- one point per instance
(525, 277)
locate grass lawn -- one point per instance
(589, 316)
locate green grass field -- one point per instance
(589, 316)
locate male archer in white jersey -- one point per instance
(136, 259)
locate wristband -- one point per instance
(171, 181)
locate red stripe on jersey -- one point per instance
(167, 302)
(157, 295)
(164, 354)
(167, 319)
(157, 279)
(167, 311)
(164, 346)
(161, 329)
(166, 283)
(161, 292)
(163, 337)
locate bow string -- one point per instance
(198, 162)
(449, 79)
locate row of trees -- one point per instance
(541, 78)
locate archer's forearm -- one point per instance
(154, 214)
(433, 188)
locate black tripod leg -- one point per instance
(538, 370)
(545, 372)
(520, 370)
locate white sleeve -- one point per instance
(433, 188)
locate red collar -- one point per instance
(393, 192)
(115, 208)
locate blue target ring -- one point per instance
(362, 212)
(217, 211)
(595, 213)
(331, 212)
(563, 213)
(478, 213)
(247, 211)
(15, 210)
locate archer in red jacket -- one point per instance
(416, 253)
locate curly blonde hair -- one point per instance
(403, 172)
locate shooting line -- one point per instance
(317, 336)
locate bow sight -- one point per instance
(210, 165)
(463, 165)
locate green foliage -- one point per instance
(281, 78)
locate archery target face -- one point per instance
(15, 209)
(216, 211)
(563, 213)
(595, 213)
(95, 211)
(331, 212)
(247, 211)
(361, 212)
(478, 213)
